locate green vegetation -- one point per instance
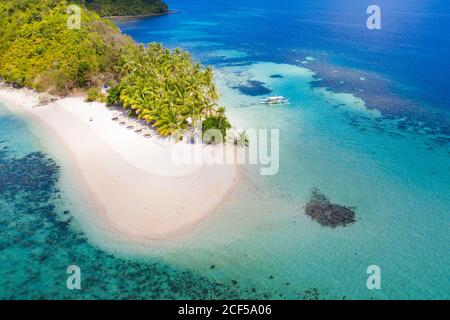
(38, 50)
(165, 88)
(217, 121)
(125, 7)
(93, 94)
(114, 95)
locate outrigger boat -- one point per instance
(275, 100)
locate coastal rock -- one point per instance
(328, 214)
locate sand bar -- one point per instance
(137, 188)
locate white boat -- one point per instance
(275, 100)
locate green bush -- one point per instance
(217, 121)
(102, 98)
(114, 95)
(92, 95)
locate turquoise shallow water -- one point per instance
(260, 244)
(398, 186)
(41, 236)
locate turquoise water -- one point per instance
(388, 161)
(398, 186)
(260, 244)
(41, 237)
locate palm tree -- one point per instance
(166, 88)
(169, 121)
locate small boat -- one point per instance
(275, 100)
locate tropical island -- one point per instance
(152, 87)
(164, 88)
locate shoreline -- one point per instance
(118, 169)
(140, 16)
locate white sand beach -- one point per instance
(137, 188)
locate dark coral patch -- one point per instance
(276, 76)
(328, 214)
(253, 88)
